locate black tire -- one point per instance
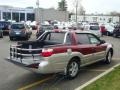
(108, 57)
(107, 33)
(11, 39)
(114, 35)
(1, 35)
(27, 37)
(72, 69)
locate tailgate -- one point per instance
(25, 56)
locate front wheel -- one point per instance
(108, 57)
(72, 69)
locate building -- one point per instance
(31, 14)
(16, 14)
(97, 18)
(50, 14)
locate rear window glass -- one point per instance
(17, 26)
(55, 37)
(94, 28)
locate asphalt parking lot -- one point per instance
(15, 78)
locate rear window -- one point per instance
(94, 28)
(55, 37)
(17, 26)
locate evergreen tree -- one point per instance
(62, 6)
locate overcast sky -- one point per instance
(91, 6)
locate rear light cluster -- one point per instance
(47, 52)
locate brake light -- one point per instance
(47, 52)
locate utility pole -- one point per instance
(76, 10)
(38, 12)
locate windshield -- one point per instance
(17, 26)
(94, 28)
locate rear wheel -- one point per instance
(11, 38)
(107, 33)
(1, 35)
(114, 35)
(72, 69)
(27, 37)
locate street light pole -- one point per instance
(38, 12)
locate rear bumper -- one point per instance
(17, 36)
(44, 67)
(30, 59)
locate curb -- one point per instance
(96, 78)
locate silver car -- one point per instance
(95, 29)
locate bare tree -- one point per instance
(78, 8)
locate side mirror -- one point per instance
(102, 41)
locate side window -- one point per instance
(68, 40)
(82, 39)
(93, 39)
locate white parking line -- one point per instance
(96, 78)
(96, 70)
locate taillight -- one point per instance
(47, 52)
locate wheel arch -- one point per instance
(76, 58)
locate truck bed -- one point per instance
(31, 49)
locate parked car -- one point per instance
(1, 33)
(109, 30)
(5, 26)
(93, 23)
(43, 28)
(116, 31)
(103, 30)
(19, 30)
(95, 29)
(64, 51)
